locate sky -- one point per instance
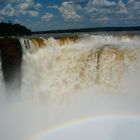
(41, 15)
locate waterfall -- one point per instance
(70, 65)
(1, 82)
(71, 80)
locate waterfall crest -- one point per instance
(66, 65)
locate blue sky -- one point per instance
(65, 14)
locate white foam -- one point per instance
(63, 83)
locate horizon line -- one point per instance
(92, 29)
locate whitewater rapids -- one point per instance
(68, 79)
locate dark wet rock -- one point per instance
(11, 57)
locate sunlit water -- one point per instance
(75, 84)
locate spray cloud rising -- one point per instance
(70, 78)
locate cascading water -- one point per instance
(64, 67)
(0, 75)
(70, 78)
(1, 82)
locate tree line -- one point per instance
(10, 29)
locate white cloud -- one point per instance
(122, 7)
(133, 7)
(33, 13)
(109, 10)
(18, 7)
(137, 5)
(102, 19)
(47, 17)
(23, 6)
(131, 1)
(29, 1)
(68, 11)
(1, 18)
(109, 3)
(15, 1)
(94, 11)
(38, 6)
(10, 1)
(8, 11)
(101, 3)
(53, 7)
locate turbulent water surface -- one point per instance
(73, 80)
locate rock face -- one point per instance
(11, 57)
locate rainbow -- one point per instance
(86, 119)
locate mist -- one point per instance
(70, 91)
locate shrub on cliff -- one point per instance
(9, 29)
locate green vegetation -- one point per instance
(10, 29)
